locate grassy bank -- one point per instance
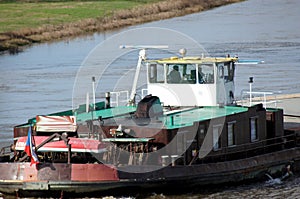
(24, 22)
(20, 15)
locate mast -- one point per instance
(142, 57)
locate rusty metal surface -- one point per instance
(27, 172)
(58, 171)
(93, 172)
(88, 178)
(30, 173)
(215, 173)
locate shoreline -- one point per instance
(14, 41)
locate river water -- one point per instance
(40, 79)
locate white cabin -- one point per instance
(192, 81)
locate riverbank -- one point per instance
(13, 41)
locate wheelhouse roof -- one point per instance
(194, 60)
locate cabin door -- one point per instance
(225, 83)
(221, 98)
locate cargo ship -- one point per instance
(188, 130)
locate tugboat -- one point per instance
(187, 131)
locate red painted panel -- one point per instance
(93, 172)
(77, 145)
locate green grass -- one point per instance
(16, 15)
(23, 22)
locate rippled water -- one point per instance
(289, 189)
(40, 79)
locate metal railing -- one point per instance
(118, 97)
(121, 98)
(267, 99)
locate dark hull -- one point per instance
(89, 179)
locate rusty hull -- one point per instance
(21, 179)
(45, 177)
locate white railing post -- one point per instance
(250, 89)
(265, 101)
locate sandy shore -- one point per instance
(291, 109)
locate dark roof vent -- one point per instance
(149, 107)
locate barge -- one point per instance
(187, 131)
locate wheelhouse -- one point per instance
(192, 81)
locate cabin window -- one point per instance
(206, 74)
(156, 73)
(181, 73)
(231, 133)
(253, 129)
(217, 137)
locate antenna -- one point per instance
(144, 47)
(246, 62)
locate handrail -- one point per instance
(259, 97)
(117, 95)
